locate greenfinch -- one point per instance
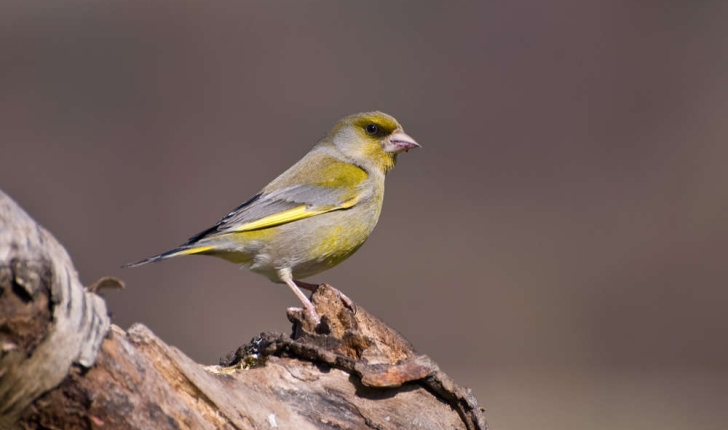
(315, 214)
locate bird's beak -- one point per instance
(399, 142)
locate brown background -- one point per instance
(558, 244)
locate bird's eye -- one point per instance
(372, 129)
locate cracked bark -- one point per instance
(63, 365)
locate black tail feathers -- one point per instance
(159, 257)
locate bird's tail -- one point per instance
(182, 250)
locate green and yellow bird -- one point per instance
(314, 215)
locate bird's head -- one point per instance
(371, 139)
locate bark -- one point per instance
(64, 366)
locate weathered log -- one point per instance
(58, 371)
(48, 322)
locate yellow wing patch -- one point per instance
(192, 251)
(290, 215)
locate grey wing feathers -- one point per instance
(266, 204)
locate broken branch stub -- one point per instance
(351, 339)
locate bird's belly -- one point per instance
(312, 245)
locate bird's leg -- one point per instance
(313, 287)
(306, 286)
(286, 277)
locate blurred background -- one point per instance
(558, 244)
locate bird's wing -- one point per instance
(289, 204)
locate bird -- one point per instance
(314, 215)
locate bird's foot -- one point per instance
(313, 287)
(311, 311)
(306, 286)
(347, 301)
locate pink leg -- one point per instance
(285, 276)
(313, 287)
(306, 286)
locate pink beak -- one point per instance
(400, 142)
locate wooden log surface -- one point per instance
(48, 322)
(63, 366)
